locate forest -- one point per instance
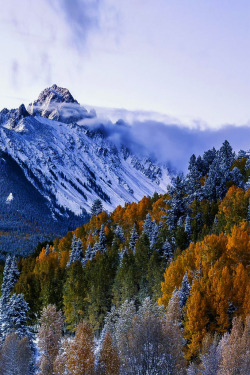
(161, 286)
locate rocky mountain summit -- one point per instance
(64, 153)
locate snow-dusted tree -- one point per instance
(47, 251)
(133, 238)
(208, 158)
(10, 277)
(123, 323)
(167, 250)
(184, 292)
(15, 356)
(122, 252)
(154, 234)
(193, 369)
(234, 348)
(219, 173)
(16, 317)
(174, 335)
(148, 350)
(80, 353)
(237, 177)
(49, 338)
(193, 180)
(177, 201)
(188, 226)
(88, 255)
(119, 233)
(61, 361)
(96, 208)
(147, 226)
(95, 249)
(210, 356)
(102, 240)
(76, 253)
(109, 362)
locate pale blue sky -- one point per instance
(188, 59)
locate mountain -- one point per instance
(58, 157)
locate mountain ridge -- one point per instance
(70, 162)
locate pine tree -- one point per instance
(237, 177)
(147, 226)
(96, 208)
(88, 255)
(119, 233)
(16, 317)
(177, 201)
(154, 234)
(167, 251)
(188, 226)
(133, 238)
(47, 251)
(102, 240)
(184, 291)
(193, 180)
(76, 253)
(10, 277)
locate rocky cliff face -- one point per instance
(69, 162)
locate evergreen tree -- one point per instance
(76, 253)
(184, 291)
(193, 180)
(102, 240)
(147, 226)
(188, 226)
(167, 250)
(47, 251)
(119, 233)
(208, 158)
(177, 201)
(133, 238)
(88, 255)
(154, 234)
(237, 177)
(10, 277)
(16, 317)
(96, 208)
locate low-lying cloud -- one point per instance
(170, 142)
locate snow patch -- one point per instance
(9, 198)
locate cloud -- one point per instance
(165, 139)
(81, 16)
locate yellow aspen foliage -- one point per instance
(238, 245)
(109, 362)
(80, 356)
(241, 288)
(233, 207)
(158, 208)
(222, 296)
(196, 318)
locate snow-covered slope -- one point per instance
(72, 164)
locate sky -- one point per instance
(185, 59)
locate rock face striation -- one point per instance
(64, 155)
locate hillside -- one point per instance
(64, 153)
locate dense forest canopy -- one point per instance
(177, 260)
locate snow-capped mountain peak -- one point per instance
(72, 164)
